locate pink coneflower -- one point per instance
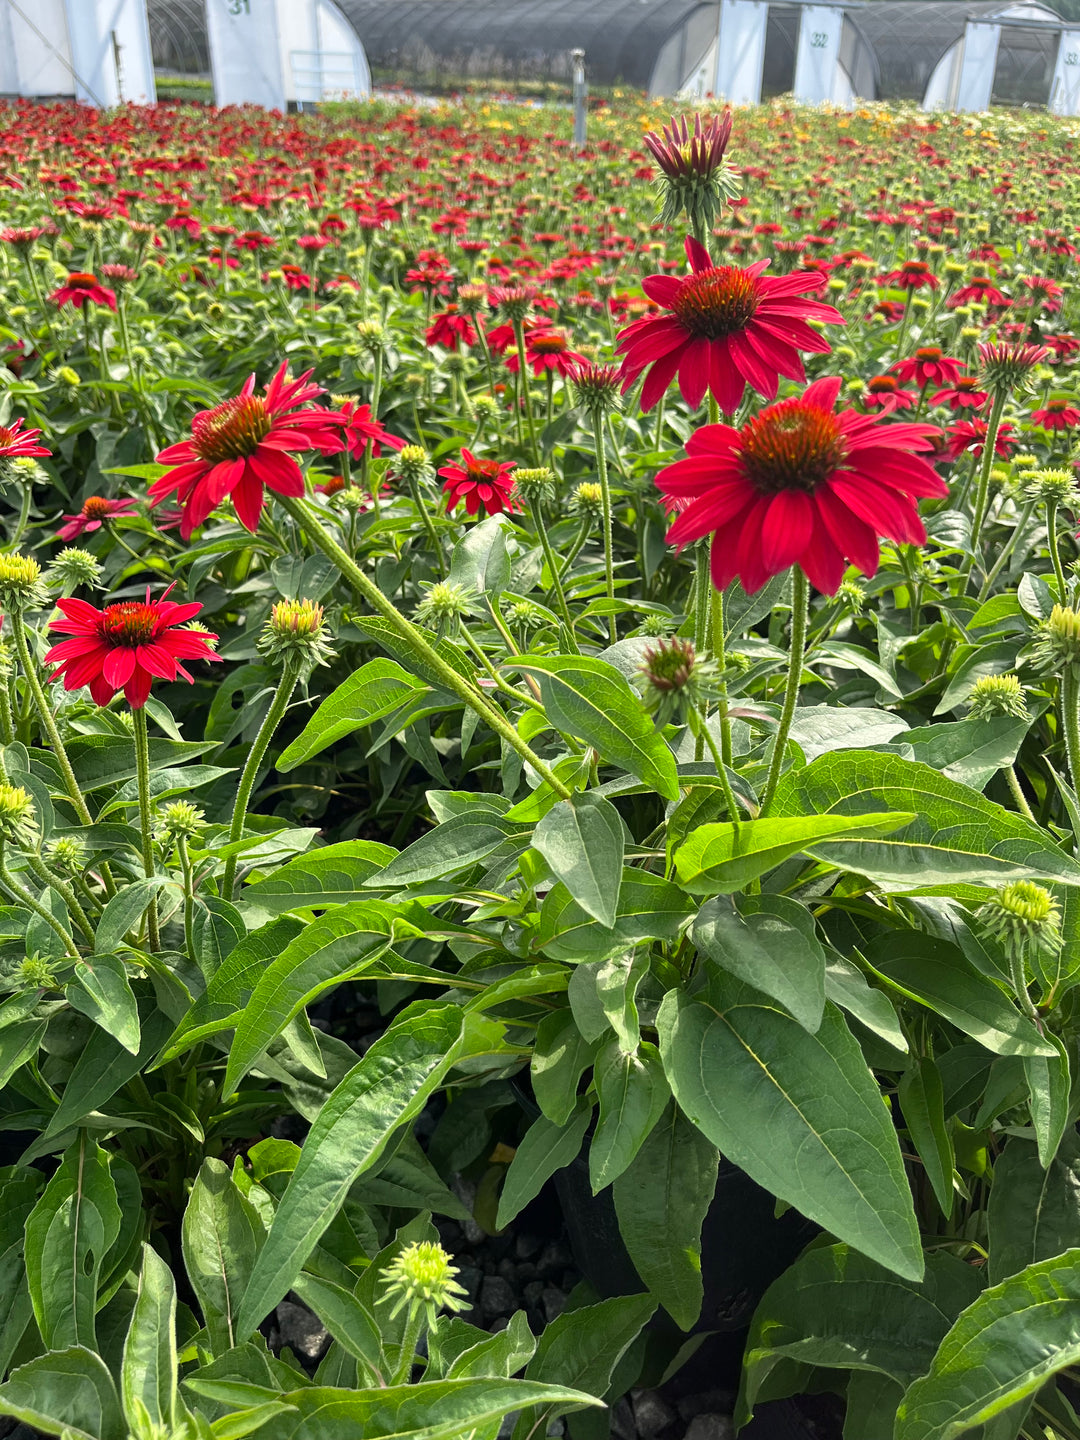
(724, 328)
(242, 445)
(361, 430)
(965, 393)
(95, 512)
(971, 435)
(883, 392)
(450, 329)
(801, 485)
(1056, 415)
(928, 366)
(17, 443)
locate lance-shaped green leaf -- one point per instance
(331, 876)
(590, 699)
(800, 1113)
(336, 947)
(1002, 1349)
(430, 1410)
(68, 1234)
(937, 975)
(148, 1372)
(835, 1308)
(1033, 1213)
(367, 695)
(455, 845)
(770, 942)
(388, 1088)
(583, 841)
(922, 1101)
(545, 1148)
(954, 834)
(721, 859)
(633, 1092)
(221, 1236)
(100, 988)
(67, 1393)
(661, 1201)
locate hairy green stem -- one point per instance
(22, 896)
(1006, 550)
(415, 641)
(523, 376)
(1070, 721)
(982, 495)
(552, 563)
(429, 526)
(48, 722)
(799, 613)
(146, 826)
(605, 503)
(63, 889)
(1055, 553)
(189, 895)
(278, 705)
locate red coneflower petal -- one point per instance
(786, 529)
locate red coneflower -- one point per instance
(912, 275)
(95, 512)
(22, 237)
(725, 328)
(241, 445)
(883, 392)
(79, 289)
(547, 350)
(964, 394)
(971, 435)
(981, 289)
(929, 366)
(126, 646)
(485, 483)
(360, 430)
(17, 443)
(801, 485)
(1056, 415)
(119, 274)
(449, 329)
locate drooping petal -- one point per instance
(786, 530)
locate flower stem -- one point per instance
(523, 377)
(799, 610)
(1018, 973)
(605, 503)
(1055, 554)
(721, 770)
(407, 1355)
(982, 495)
(142, 772)
(414, 640)
(552, 564)
(278, 706)
(1018, 794)
(24, 516)
(1006, 550)
(64, 890)
(29, 667)
(429, 526)
(1070, 721)
(189, 895)
(22, 896)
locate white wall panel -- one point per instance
(245, 55)
(740, 51)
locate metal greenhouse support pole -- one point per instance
(581, 91)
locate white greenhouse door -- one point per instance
(110, 49)
(1065, 87)
(818, 54)
(740, 51)
(977, 66)
(245, 56)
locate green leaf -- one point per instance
(937, 975)
(590, 699)
(632, 1092)
(847, 986)
(560, 1056)
(871, 1401)
(348, 1320)
(387, 1089)
(337, 946)
(331, 876)
(582, 1347)
(1049, 1087)
(957, 836)
(969, 751)
(545, 1148)
(1003, 1348)
(661, 1200)
(456, 845)
(922, 1101)
(720, 859)
(221, 1236)
(583, 841)
(68, 1234)
(480, 561)
(67, 1393)
(835, 1308)
(124, 911)
(430, 1410)
(800, 1113)
(369, 693)
(148, 1373)
(1034, 1213)
(103, 762)
(100, 988)
(650, 908)
(103, 1066)
(230, 989)
(770, 942)
(817, 729)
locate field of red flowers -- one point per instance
(617, 612)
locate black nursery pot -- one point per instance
(744, 1247)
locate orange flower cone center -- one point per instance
(791, 446)
(482, 472)
(232, 430)
(549, 345)
(129, 624)
(717, 302)
(95, 508)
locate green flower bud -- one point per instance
(1057, 640)
(296, 635)
(421, 1280)
(21, 585)
(995, 695)
(444, 605)
(18, 821)
(72, 568)
(1025, 919)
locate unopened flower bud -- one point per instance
(21, 586)
(413, 464)
(444, 605)
(296, 634)
(695, 178)
(587, 501)
(1053, 487)
(68, 854)
(372, 337)
(1004, 368)
(420, 1279)
(18, 821)
(535, 486)
(994, 695)
(673, 680)
(596, 387)
(1025, 919)
(72, 568)
(1057, 641)
(181, 818)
